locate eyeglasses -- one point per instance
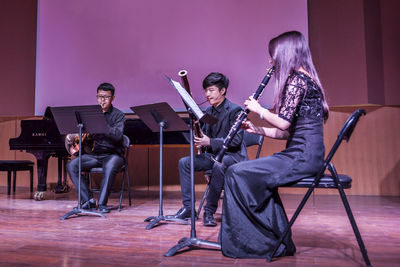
(104, 97)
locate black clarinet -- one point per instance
(240, 118)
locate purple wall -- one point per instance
(337, 42)
(17, 53)
(355, 45)
(390, 50)
(133, 44)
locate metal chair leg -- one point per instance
(354, 225)
(203, 199)
(122, 191)
(129, 187)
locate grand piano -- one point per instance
(42, 139)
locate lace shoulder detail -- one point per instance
(301, 97)
(292, 95)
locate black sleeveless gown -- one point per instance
(253, 216)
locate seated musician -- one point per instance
(215, 87)
(107, 152)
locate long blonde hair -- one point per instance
(290, 51)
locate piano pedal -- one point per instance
(59, 189)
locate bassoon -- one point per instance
(240, 118)
(196, 125)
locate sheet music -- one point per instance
(187, 98)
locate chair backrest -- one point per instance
(251, 139)
(127, 143)
(344, 134)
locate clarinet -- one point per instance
(240, 118)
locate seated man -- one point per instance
(107, 152)
(215, 87)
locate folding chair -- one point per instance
(333, 180)
(249, 140)
(124, 169)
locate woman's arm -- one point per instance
(252, 105)
(274, 133)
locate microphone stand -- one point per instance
(191, 241)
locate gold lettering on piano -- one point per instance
(39, 134)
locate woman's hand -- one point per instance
(251, 128)
(253, 105)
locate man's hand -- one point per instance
(202, 141)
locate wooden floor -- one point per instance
(32, 234)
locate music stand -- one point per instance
(88, 119)
(160, 117)
(194, 112)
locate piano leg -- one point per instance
(62, 185)
(42, 159)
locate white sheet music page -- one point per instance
(187, 98)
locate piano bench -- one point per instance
(14, 166)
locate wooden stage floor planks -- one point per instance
(33, 235)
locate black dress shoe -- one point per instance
(104, 209)
(183, 214)
(208, 219)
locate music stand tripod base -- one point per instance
(153, 220)
(77, 211)
(160, 117)
(92, 119)
(191, 242)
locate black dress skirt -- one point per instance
(253, 216)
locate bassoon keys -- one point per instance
(196, 125)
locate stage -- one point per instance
(32, 233)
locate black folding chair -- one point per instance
(332, 180)
(124, 170)
(249, 140)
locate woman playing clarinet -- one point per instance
(253, 215)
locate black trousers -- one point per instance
(204, 162)
(110, 163)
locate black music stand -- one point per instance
(160, 117)
(194, 112)
(88, 119)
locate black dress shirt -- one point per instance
(111, 143)
(226, 113)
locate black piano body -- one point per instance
(42, 139)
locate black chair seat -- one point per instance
(326, 181)
(96, 170)
(208, 172)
